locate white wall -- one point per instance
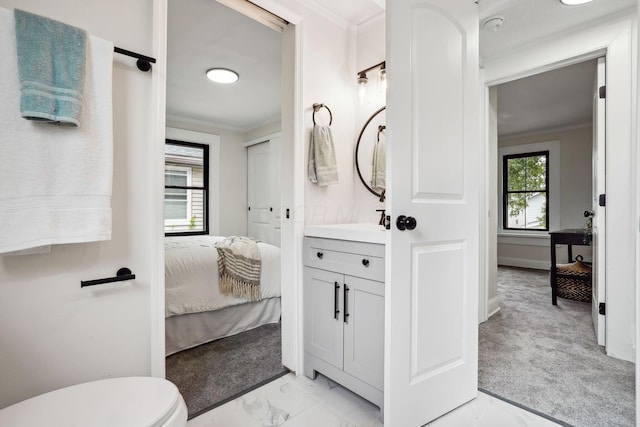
(232, 173)
(575, 197)
(52, 332)
(370, 50)
(268, 129)
(328, 77)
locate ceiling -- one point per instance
(560, 98)
(205, 34)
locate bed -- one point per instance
(195, 310)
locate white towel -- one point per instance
(323, 169)
(55, 182)
(379, 166)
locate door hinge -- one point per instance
(602, 92)
(602, 308)
(602, 200)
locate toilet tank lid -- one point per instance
(122, 402)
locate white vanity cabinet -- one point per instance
(344, 314)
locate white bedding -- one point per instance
(191, 275)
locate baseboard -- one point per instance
(493, 306)
(524, 263)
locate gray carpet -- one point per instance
(546, 358)
(216, 372)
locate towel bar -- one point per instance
(122, 275)
(143, 63)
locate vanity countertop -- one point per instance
(358, 232)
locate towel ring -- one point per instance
(381, 195)
(316, 108)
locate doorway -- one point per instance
(215, 125)
(555, 157)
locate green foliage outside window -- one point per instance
(526, 181)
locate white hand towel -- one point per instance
(55, 182)
(323, 169)
(379, 166)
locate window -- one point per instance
(186, 195)
(525, 191)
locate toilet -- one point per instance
(114, 402)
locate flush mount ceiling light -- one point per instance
(574, 2)
(222, 75)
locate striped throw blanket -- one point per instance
(239, 266)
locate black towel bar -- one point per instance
(143, 63)
(122, 275)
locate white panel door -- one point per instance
(598, 242)
(434, 156)
(364, 330)
(259, 192)
(323, 330)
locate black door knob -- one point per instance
(406, 223)
(411, 223)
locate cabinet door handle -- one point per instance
(346, 297)
(336, 295)
(320, 255)
(365, 262)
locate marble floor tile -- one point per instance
(366, 415)
(230, 414)
(275, 403)
(487, 411)
(331, 394)
(318, 416)
(296, 401)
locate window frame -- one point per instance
(204, 188)
(189, 172)
(506, 192)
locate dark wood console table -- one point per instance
(569, 237)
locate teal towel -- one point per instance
(51, 68)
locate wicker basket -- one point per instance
(575, 284)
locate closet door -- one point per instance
(259, 192)
(276, 218)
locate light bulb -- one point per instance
(362, 93)
(382, 80)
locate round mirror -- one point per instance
(371, 154)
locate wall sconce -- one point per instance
(363, 80)
(382, 79)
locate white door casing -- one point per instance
(599, 171)
(433, 170)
